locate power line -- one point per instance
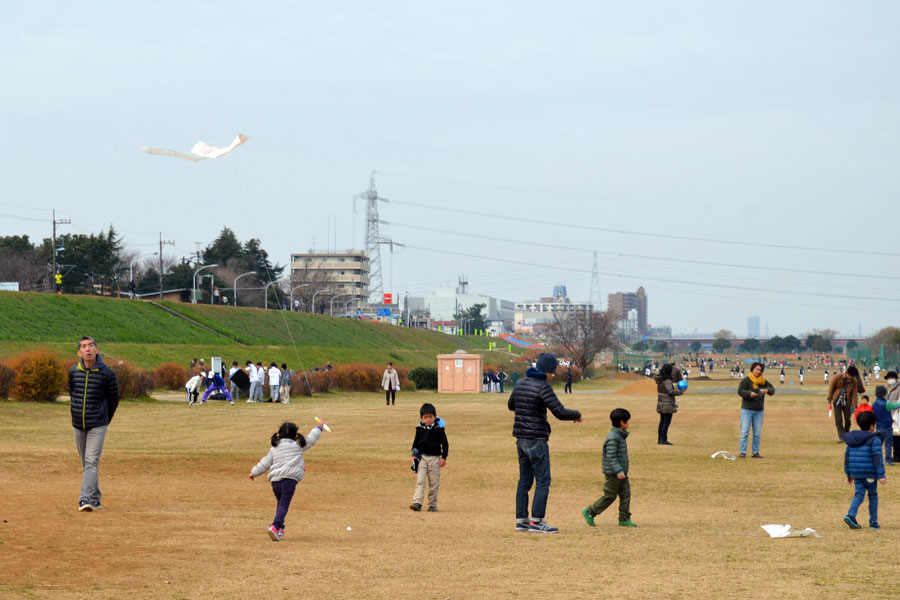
(629, 255)
(457, 210)
(644, 278)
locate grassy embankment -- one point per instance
(147, 336)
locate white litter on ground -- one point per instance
(784, 531)
(724, 454)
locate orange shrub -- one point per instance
(7, 377)
(133, 382)
(39, 376)
(170, 376)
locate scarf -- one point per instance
(757, 381)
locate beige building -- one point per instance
(621, 302)
(347, 271)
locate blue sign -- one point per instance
(358, 312)
(383, 312)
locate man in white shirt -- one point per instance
(254, 380)
(274, 382)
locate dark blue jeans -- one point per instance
(284, 492)
(887, 437)
(534, 465)
(863, 486)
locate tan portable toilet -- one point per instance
(460, 373)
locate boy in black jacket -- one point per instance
(429, 454)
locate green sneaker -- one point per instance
(628, 523)
(587, 517)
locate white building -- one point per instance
(443, 305)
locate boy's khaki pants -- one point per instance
(429, 467)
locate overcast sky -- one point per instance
(764, 123)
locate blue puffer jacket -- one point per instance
(882, 414)
(862, 459)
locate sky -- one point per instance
(732, 158)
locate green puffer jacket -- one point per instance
(615, 452)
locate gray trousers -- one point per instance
(90, 445)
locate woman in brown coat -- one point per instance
(667, 390)
(843, 394)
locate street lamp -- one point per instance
(131, 269)
(292, 293)
(312, 303)
(194, 298)
(407, 308)
(266, 292)
(332, 301)
(235, 283)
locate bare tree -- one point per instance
(583, 335)
(27, 268)
(310, 283)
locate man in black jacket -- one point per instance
(94, 391)
(530, 400)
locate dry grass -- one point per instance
(181, 519)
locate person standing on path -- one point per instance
(753, 390)
(94, 393)
(568, 388)
(843, 394)
(390, 383)
(530, 400)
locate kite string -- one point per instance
(264, 264)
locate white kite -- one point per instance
(200, 151)
(785, 531)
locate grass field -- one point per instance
(181, 519)
(147, 336)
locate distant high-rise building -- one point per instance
(753, 327)
(622, 302)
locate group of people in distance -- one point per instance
(278, 379)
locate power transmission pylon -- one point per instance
(374, 240)
(595, 286)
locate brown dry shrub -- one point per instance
(170, 376)
(133, 382)
(319, 381)
(39, 377)
(7, 377)
(356, 377)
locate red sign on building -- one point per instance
(388, 298)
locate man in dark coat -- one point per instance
(530, 400)
(94, 391)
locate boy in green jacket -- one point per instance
(615, 467)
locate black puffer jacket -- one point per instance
(530, 400)
(94, 393)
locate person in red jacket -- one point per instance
(864, 406)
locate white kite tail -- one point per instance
(172, 153)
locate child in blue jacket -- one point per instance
(863, 465)
(884, 423)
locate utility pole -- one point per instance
(55, 223)
(161, 242)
